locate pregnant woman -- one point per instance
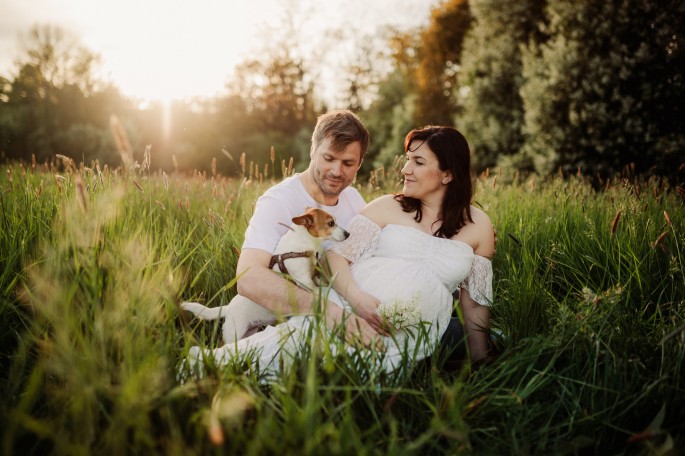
(405, 256)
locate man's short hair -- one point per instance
(343, 127)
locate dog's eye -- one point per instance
(331, 223)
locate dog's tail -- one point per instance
(203, 312)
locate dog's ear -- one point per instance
(304, 220)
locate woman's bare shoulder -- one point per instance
(381, 209)
(479, 216)
(484, 231)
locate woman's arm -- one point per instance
(477, 315)
(364, 304)
(476, 323)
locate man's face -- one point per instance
(334, 171)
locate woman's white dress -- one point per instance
(395, 263)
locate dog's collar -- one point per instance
(281, 257)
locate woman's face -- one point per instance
(422, 174)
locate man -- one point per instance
(339, 144)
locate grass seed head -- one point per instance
(614, 224)
(668, 219)
(121, 141)
(135, 182)
(81, 192)
(659, 239)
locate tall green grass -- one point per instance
(589, 311)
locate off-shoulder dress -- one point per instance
(393, 263)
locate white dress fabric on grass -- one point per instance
(393, 263)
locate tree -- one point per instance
(277, 90)
(439, 54)
(607, 89)
(391, 115)
(491, 76)
(47, 105)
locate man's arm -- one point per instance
(260, 284)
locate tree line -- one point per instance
(535, 85)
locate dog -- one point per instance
(296, 255)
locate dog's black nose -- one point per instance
(346, 234)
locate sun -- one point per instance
(171, 50)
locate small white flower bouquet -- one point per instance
(400, 313)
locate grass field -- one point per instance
(589, 302)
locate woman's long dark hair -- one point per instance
(454, 156)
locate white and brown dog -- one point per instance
(296, 255)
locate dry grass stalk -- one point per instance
(242, 163)
(68, 163)
(290, 167)
(147, 158)
(614, 224)
(165, 179)
(81, 192)
(121, 141)
(216, 218)
(160, 204)
(272, 154)
(58, 181)
(668, 219)
(659, 239)
(135, 182)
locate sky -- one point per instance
(175, 49)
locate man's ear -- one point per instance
(303, 220)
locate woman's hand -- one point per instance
(357, 331)
(366, 306)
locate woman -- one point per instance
(410, 251)
(422, 244)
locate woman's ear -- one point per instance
(447, 178)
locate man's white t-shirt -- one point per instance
(276, 208)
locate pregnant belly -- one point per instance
(403, 280)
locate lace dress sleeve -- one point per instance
(362, 241)
(479, 281)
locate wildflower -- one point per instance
(399, 313)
